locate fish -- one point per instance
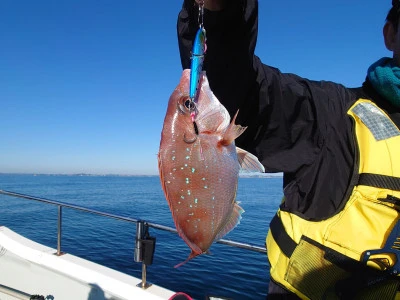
(199, 166)
(197, 59)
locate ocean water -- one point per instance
(227, 271)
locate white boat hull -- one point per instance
(34, 269)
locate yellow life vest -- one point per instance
(354, 254)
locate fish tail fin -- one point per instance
(192, 255)
(232, 132)
(249, 162)
(232, 222)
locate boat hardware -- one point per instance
(144, 250)
(17, 294)
(59, 229)
(142, 242)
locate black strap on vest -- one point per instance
(380, 181)
(285, 242)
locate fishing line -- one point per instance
(200, 17)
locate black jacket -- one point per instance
(295, 125)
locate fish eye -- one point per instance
(186, 105)
(189, 104)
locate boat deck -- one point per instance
(28, 268)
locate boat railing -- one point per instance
(141, 229)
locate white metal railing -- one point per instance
(141, 229)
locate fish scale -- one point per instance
(187, 193)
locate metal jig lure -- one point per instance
(198, 52)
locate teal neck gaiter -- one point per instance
(384, 76)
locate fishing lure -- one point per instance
(199, 49)
(198, 52)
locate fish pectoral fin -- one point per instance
(232, 132)
(232, 222)
(249, 162)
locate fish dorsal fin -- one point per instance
(249, 162)
(232, 132)
(232, 222)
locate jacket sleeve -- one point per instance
(289, 118)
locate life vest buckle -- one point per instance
(392, 246)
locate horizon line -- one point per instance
(244, 174)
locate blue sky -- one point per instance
(84, 84)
